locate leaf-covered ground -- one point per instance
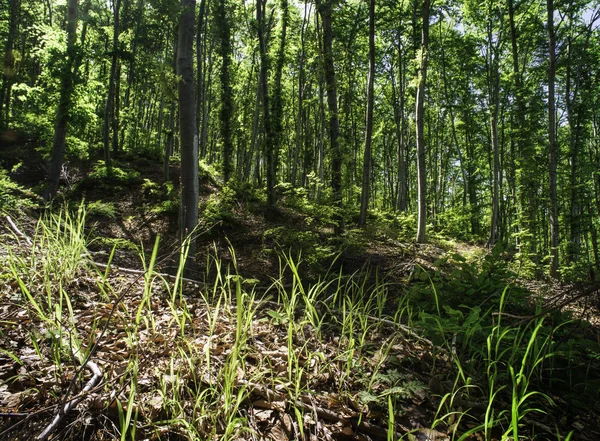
(282, 331)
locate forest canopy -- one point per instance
(476, 120)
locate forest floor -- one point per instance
(282, 331)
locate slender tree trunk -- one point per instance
(254, 138)
(324, 7)
(207, 103)
(64, 104)
(496, 173)
(201, 66)
(366, 178)
(8, 64)
(264, 84)
(450, 106)
(277, 90)
(398, 105)
(301, 80)
(226, 113)
(171, 128)
(552, 144)
(187, 124)
(420, 135)
(108, 108)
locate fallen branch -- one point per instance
(104, 267)
(589, 290)
(97, 375)
(19, 232)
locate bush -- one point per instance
(13, 196)
(101, 209)
(296, 242)
(219, 207)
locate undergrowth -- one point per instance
(460, 351)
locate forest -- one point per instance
(299, 219)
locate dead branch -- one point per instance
(18, 231)
(97, 375)
(103, 266)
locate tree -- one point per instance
(552, 144)
(8, 64)
(493, 42)
(366, 179)
(278, 110)
(226, 113)
(420, 126)
(109, 111)
(325, 8)
(187, 122)
(63, 112)
(264, 85)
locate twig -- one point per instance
(26, 418)
(407, 330)
(19, 232)
(13, 415)
(97, 375)
(103, 266)
(555, 307)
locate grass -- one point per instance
(223, 360)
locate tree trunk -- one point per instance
(108, 108)
(493, 100)
(224, 33)
(277, 91)
(8, 65)
(187, 124)
(64, 104)
(420, 135)
(264, 84)
(552, 144)
(366, 178)
(324, 7)
(201, 66)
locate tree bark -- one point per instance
(552, 144)
(264, 84)
(201, 66)
(324, 7)
(366, 178)
(108, 108)
(64, 104)
(187, 124)
(493, 74)
(277, 116)
(224, 33)
(8, 65)
(420, 135)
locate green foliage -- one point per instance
(100, 179)
(13, 196)
(454, 222)
(469, 283)
(352, 244)
(298, 198)
(116, 242)
(101, 173)
(76, 149)
(102, 209)
(308, 244)
(219, 207)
